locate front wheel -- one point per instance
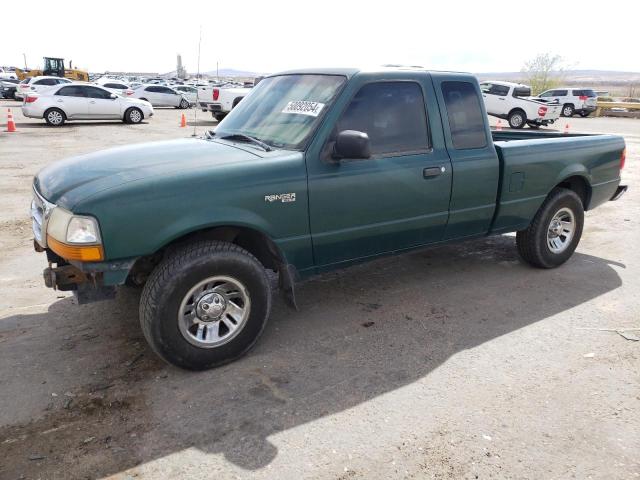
(133, 116)
(184, 104)
(219, 116)
(555, 231)
(205, 305)
(517, 119)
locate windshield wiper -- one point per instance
(242, 136)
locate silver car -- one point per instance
(79, 101)
(160, 96)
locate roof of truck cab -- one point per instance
(349, 72)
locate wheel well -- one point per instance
(517, 110)
(133, 108)
(253, 241)
(580, 186)
(236, 101)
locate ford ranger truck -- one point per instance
(313, 171)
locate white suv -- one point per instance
(573, 100)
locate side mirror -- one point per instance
(352, 144)
(113, 96)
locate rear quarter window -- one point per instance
(466, 121)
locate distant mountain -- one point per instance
(577, 76)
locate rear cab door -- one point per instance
(73, 101)
(475, 164)
(394, 200)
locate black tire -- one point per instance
(219, 116)
(533, 243)
(184, 104)
(584, 114)
(567, 110)
(55, 117)
(517, 119)
(133, 115)
(169, 285)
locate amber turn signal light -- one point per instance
(82, 253)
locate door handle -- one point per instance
(60, 101)
(431, 172)
(92, 101)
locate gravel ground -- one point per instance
(453, 362)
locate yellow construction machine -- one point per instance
(54, 67)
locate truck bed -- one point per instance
(532, 161)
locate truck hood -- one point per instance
(69, 181)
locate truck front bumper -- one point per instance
(89, 281)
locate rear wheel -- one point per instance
(55, 117)
(517, 119)
(219, 116)
(206, 304)
(584, 113)
(133, 115)
(567, 110)
(555, 231)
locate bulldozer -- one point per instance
(54, 67)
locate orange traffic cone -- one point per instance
(499, 125)
(566, 128)
(11, 125)
(183, 121)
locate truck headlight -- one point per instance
(74, 237)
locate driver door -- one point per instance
(102, 105)
(394, 200)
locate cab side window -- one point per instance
(466, 121)
(72, 91)
(392, 114)
(93, 92)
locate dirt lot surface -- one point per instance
(452, 362)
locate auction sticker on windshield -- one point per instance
(304, 107)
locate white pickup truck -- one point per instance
(220, 100)
(512, 102)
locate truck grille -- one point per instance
(40, 212)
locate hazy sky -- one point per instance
(267, 36)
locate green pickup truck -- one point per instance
(314, 170)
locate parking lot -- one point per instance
(457, 361)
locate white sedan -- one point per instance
(79, 101)
(189, 92)
(160, 96)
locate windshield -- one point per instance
(283, 111)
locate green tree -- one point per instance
(543, 72)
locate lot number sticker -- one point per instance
(304, 107)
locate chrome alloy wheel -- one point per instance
(561, 230)
(214, 311)
(54, 117)
(135, 116)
